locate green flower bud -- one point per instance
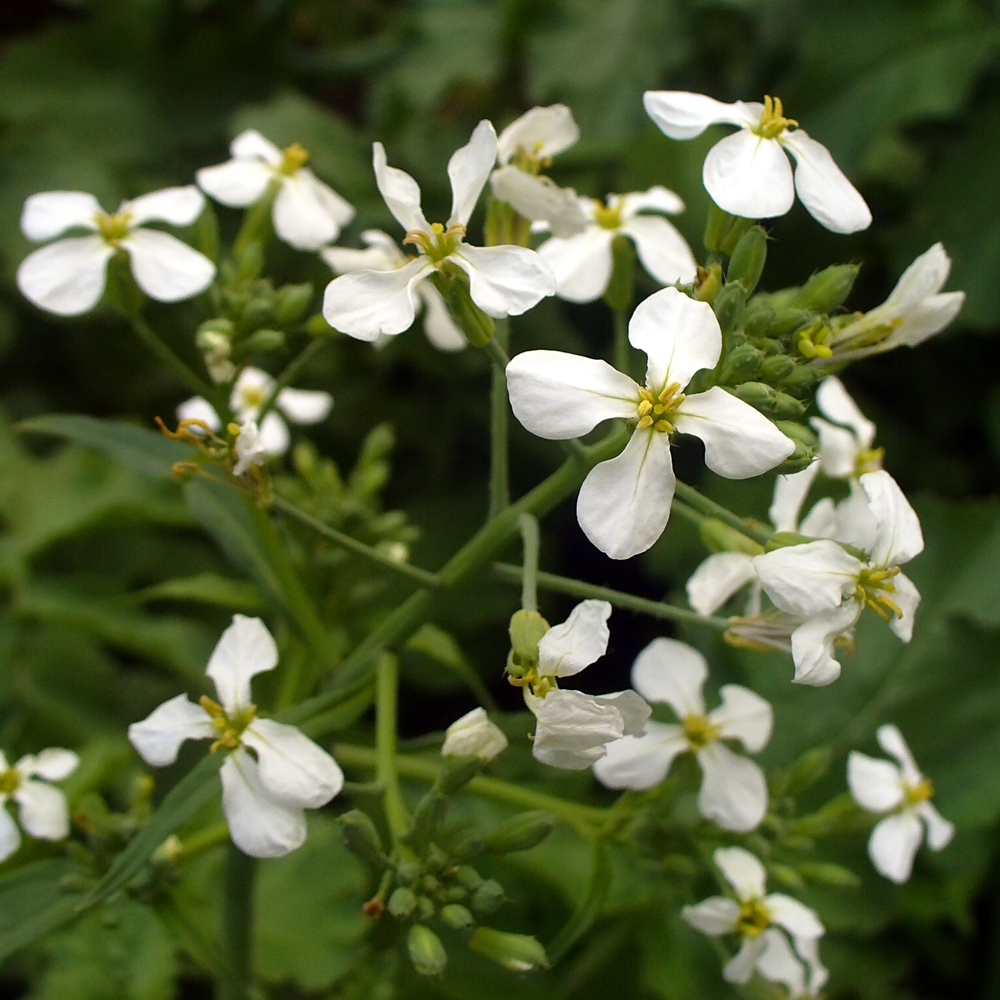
(764, 321)
(455, 894)
(263, 341)
(469, 845)
(217, 326)
(621, 285)
(776, 368)
(427, 820)
(361, 838)
(488, 897)
(426, 951)
(743, 363)
(291, 302)
(468, 877)
(249, 260)
(827, 290)
(800, 433)
(729, 305)
(402, 902)
(518, 952)
(717, 536)
(769, 401)
(424, 908)
(520, 833)
(747, 262)
(258, 311)
(526, 631)
(782, 539)
(408, 872)
(801, 379)
(787, 875)
(827, 873)
(457, 917)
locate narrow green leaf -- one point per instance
(206, 588)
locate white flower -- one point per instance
(503, 281)
(758, 919)
(624, 503)
(68, 277)
(43, 810)
(733, 789)
(307, 213)
(250, 448)
(265, 792)
(748, 173)
(829, 588)
(582, 263)
(538, 135)
(902, 792)
(474, 735)
(382, 254)
(915, 310)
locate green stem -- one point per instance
(291, 370)
(529, 573)
(386, 705)
(421, 576)
(257, 225)
(578, 588)
(499, 421)
(204, 839)
(497, 352)
(237, 926)
(186, 375)
(623, 355)
(702, 504)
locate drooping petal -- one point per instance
(778, 963)
(713, 916)
(717, 579)
(558, 396)
(796, 918)
(573, 728)
(907, 599)
(293, 769)
(159, 736)
(876, 785)
(838, 448)
(664, 253)
(813, 644)
(633, 709)
(505, 281)
(581, 264)
(44, 813)
(468, 170)
(441, 329)
(179, 206)
(369, 304)
(53, 764)
(743, 871)
(836, 404)
(733, 789)
(924, 320)
(66, 277)
(245, 649)
(304, 406)
(808, 579)
(749, 176)
(259, 826)
(307, 213)
(899, 535)
(236, 183)
(741, 966)
(891, 740)
(743, 715)
(10, 836)
(656, 199)
(740, 442)
(251, 145)
(829, 197)
(893, 845)
(683, 115)
(671, 672)
(939, 830)
(624, 503)
(679, 335)
(540, 132)
(165, 268)
(790, 493)
(51, 213)
(579, 641)
(382, 253)
(274, 436)
(641, 761)
(400, 191)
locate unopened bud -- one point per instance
(258, 311)
(249, 260)
(728, 306)
(786, 874)
(402, 902)
(474, 735)
(488, 897)
(747, 262)
(426, 951)
(427, 820)
(743, 363)
(518, 952)
(827, 290)
(526, 631)
(264, 341)
(783, 539)
(291, 302)
(799, 433)
(776, 368)
(801, 379)
(520, 833)
(214, 331)
(361, 838)
(468, 877)
(456, 773)
(457, 917)
(769, 401)
(766, 321)
(827, 873)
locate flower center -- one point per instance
(654, 409)
(439, 242)
(529, 161)
(920, 792)
(295, 158)
(699, 731)
(814, 340)
(253, 397)
(754, 918)
(773, 122)
(608, 216)
(10, 781)
(868, 460)
(873, 589)
(229, 728)
(114, 228)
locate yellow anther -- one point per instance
(114, 228)
(214, 709)
(921, 792)
(644, 422)
(773, 121)
(10, 780)
(233, 429)
(253, 396)
(653, 407)
(644, 407)
(607, 216)
(814, 341)
(699, 731)
(754, 917)
(663, 426)
(295, 158)
(869, 460)
(439, 242)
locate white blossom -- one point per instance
(759, 920)
(249, 447)
(68, 277)
(902, 795)
(474, 735)
(748, 173)
(503, 280)
(272, 771)
(624, 503)
(307, 213)
(42, 809)
(733, 790)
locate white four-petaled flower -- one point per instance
(68, 277)
(903, 794)
(624, 503)
(733, 789)
(42, 808)
(264, 792)
(748, 173)
(307, 213)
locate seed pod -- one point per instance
(470, 319)
(518, 952)
(426, 951)
(520, 833)
(361, 838)
(747, 262)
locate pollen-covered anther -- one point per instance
(10, 781)
(653, 409)
(873, 589)
(754, 918)
(920, 792)
(114, 228)
(699, 731)
(608, 216)
(295, 157)
(773, 121)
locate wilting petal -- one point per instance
(891, 740)
(835, 404)
(579, 641)
(53, 764)
(199, 408)
(829, 197)
(573, 728)
(66, 277)
(468, 170)
(51, 213)
(939, 830)
(258, 825)
(541, 132)
(664, 253)
(581, 264)
(671, 672)
(893, 845)
(159, 736)
(808, 579)
(813, 644)
(907, 599)
(790, 493)
(656, 199)
(304, 406)
(741, 966)
(714, 916)
(559, 396)
(400, 191)
(179, 206)
(236, 183)
(717, 579)
(505, 281)
(10, 836)
(251, 145)
(739, 441)
(307, 213)
(44, 813)
(749, 176)
(369, 304)
(624, 503)
(795, 917)
(733, 789)
(743, 871)
(165, 268)
(440, 328)
(245, 649)
(293, 769)
(744, 716)
(877, 785)
(682, 115)
(679, 336)
(641, 761)
(899, 535)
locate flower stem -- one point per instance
(237, 926)
(702, 504)
(623, 357)
(499, 420)
(291, 370)
(186, 375)
(386, 703)
(528, 524)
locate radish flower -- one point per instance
(42, 808)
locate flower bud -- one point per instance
(729, 305)
(361, 838)
(264, 341)
(799, 433)
(488, 897)
(776, 368)
(426, 951)
(521, 832)
(427, 819)
(801, 378)
(621, 285)
(526, 631)
(468, 877)
(786, 874)
(474, 735)
(456, 774)
(827, 290)
(402, 902)
(408, 872)
(214, 330)
(457, 917)
(425, 908)
(469, 845)
(747, 262)
(769, 401)
(291, 302)
(518, 952)
(258, 311)
(827, 873)
(765, 321)
(743, 363)
(249, 259)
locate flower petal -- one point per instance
(838, 449)
(53, 764)
(558, 396)
(10, 836)
(656, 199)
(740, 442)
(939, 830)
(743, 871)
(893, 845)
(633, 709)
(400, 191)
(304, 406)
(808, 579)
(507, 280)
(907, 599)
(236, 183)
(813, 644)
(733, 789)
(899, 535)
(713, 916)
(258, 825)
(779, 964)
(44, 813)
(835, 404)
(876, 785)
(743, 715)
(179, 206)
(245, 649)
(790, 493)
(624, 503)
(66, 277)
(441, 329)
(717, 579)
(198, 408)
(468, 170)
(573, 728)
(891, 740)
(159, 736)
(829, 197)
(251, 145)
(274, 436)
(165, 268)
(308, 213)
(924, 320)
(664, 253)
(381, 254)
(540, 199)
(683, 115)
(749, 176)
(540, 132)
(369, 304)
(51, 213)
(641, 761)
(579, 641)
(671, 672)
(740, 967)
(796, 918)
(581, 264)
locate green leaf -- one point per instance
(207, 588)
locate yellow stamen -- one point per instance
(773, 121)
(869, 460)
(699, 731)
(653, 409)
(114, 228)
(608, 216)
(10, 781)
(873, 589)
(921, 792)
(295, 158)
(754, 918)
(439, 242)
